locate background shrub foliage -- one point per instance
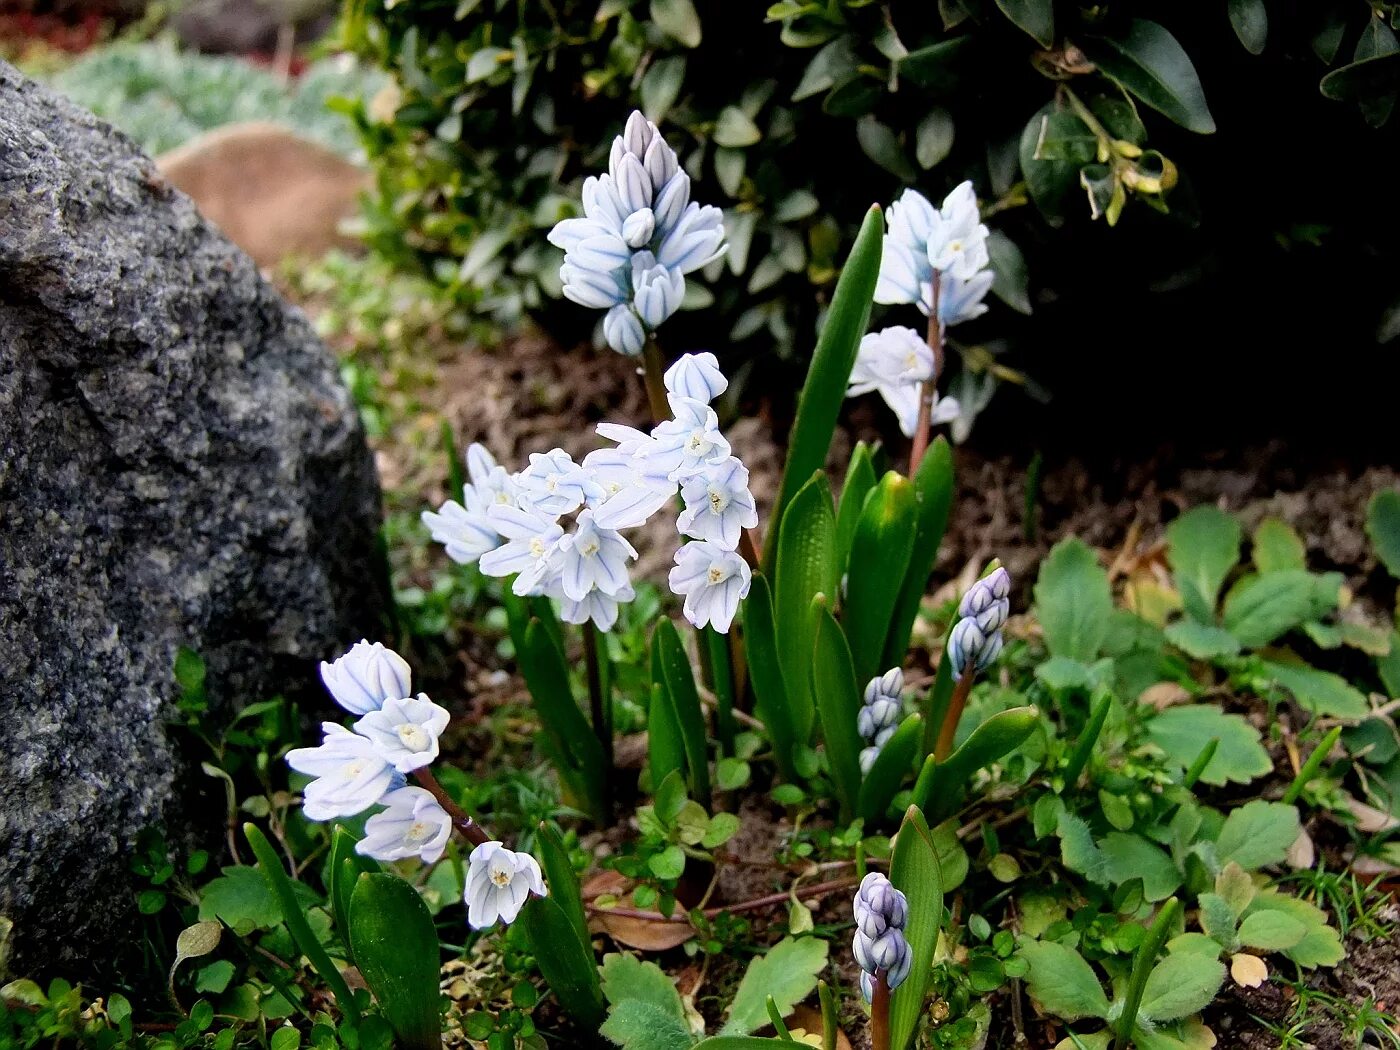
(793, 114)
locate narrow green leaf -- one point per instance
(397, 953)
(914, 870)
(1149, 62)
(827, 377)
(891, 766)
(572, 738)
(880, 552)
(838, 702)
(684, 699)
(560, 877)
(344, 868)
(990, 742)
(860, 480)
(1073, 601)
(566, 962)
(294, 915)
(933, 498)
(771, 701)
(1035, 17)
(665, 743)
(806, 567)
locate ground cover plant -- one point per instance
(1099, 805)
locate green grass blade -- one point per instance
(860, 480)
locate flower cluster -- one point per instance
(881, 912)
(879, 714)
(396, 734)
(896, 362)
(511, 523)
(975, 640)
(927, 246)
(639, 236)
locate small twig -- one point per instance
(820, 889)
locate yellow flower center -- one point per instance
(413, 737)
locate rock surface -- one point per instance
(179, 465)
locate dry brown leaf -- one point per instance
(1369, 819)
(1302, 854)
(1249, 971)
(809, 1019)
(647, 935)
(1163, 695)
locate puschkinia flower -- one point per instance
(464, 528)
(366, 676)
(713, 581)
(596, 606)
(718, 504)
(975, 640)
(923, 242)
(687, 443)
(405, 732)
(412, 825)
(960, 300)
(971, 648)
(639, 235)
(351, 775)
(895, 362)
(592, 559)
(530, 536)
(696, 376)
(499, 882)
(555, 484)
(881, 912)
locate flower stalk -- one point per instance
(880, 1013)
(462, 822)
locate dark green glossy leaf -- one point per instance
(880, 143)
(1035, 17)
(560, 877)
(933, 498)
(1250, 20)
(936, 68)
(1055, 144)
(880, 552)
(838, 702)
(571, 737)
(860, 479)
(891, 766)
(1149, 62)
(806, 566)
(396, 951)
(989, 743)
(566, 962)
(1010, 278)
(771, 701)
(684, 699)
(914, 870)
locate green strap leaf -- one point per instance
(1150, 63)
(838, 702)
(581, 765)
(560, 877)
(294, 915)
(396, 950)
(343, 870)
(891, 766)
(860, 479)
(933, 498)
(990, 742)
(771, 699)
(880, 552)
(830, 371)
(684, 700)
(914, 870)
(566, 962)
(806, 567)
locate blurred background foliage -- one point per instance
(1176, 188)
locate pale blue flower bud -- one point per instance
(591, 288)
(638, 228)
(366, 676)
(657, 290)
(881, 912)
(696, 376)
(970, 647)
(867, 758)
(696, 239)
(671, 202)
(622, 330)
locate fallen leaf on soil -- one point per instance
(1369, 819)
(1198, 1036)
(809, 1019)
(1164, 695)
(1249, 971)
(648, 935)
(1302, 854)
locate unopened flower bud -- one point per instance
(638, 227)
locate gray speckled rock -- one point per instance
(179, 465)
